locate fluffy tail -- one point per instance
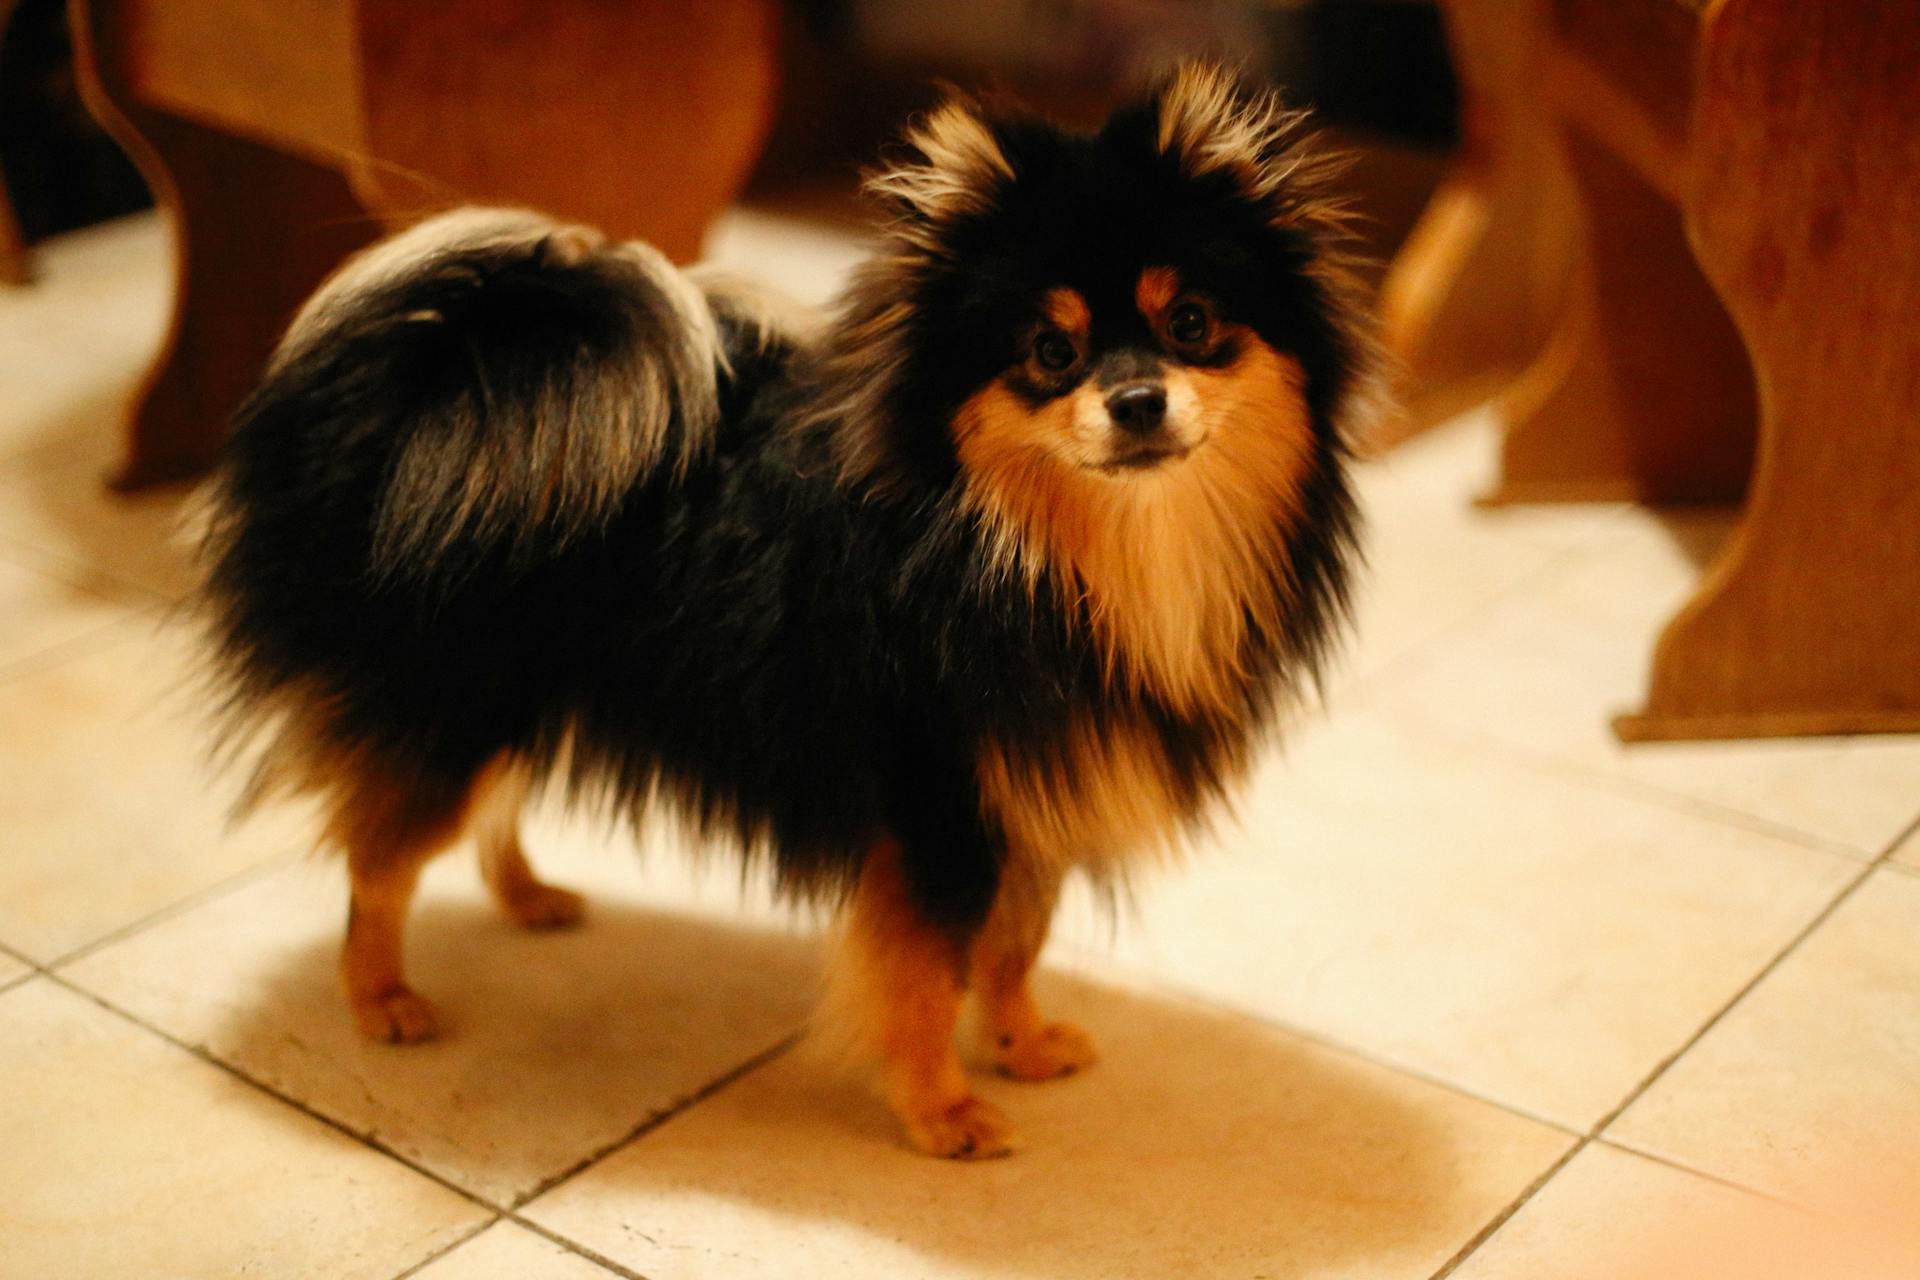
(518, 377)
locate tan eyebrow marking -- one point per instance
(1158, 287)
(1068, 310)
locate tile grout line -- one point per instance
(1582, 1143)
(1634, 1095)
(1361, 686)
(1680, 1166)
(1621, 786)
(160, 915)
(1899, 842)
(228, 1069)
(499, 1213)
(34, 969)
(1519, 1202)
(1786, 952)
(1363, 689)
(93, 640)
(70, 569)
(574, 1247)
(446, 1249)
(1145, 980)
(647, 1125)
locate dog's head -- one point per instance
(1108, 308)
(1128, 356)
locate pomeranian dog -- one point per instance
(998, 572)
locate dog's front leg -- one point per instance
(1018, 1040)
(907, 974)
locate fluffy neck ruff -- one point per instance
(1172, 568)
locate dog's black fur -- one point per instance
(766, 599)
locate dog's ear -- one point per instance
(952, 165)
(1217, 126)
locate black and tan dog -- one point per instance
(997, 574)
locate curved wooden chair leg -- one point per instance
(1803, 199)
(1645, 392)
(254, 231)
(1472, 296)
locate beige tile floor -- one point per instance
(1466, 989)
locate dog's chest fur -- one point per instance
(1102, 796)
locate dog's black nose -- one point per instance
(1138, 409)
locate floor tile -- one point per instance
(41, 610)
(127, 545)
(108, 811)
(554, 1045)
(1908, 854)
(61, 402)
(1545, 670)
(807, 260)
(1819, 1065)
(73, 350)
(1202, 1145)
(127, 1156)
(507, 1251)
(1612, 1215)
(113, 277)
(1432, 558)
(74, 345)
(1460, 873)
(1540, 943)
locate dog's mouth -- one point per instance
(1144, 455)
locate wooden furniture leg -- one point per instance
(1472, 296)
(255, 230)
(279, 138)
(1644, 393)
(1803, 201)
(643, 120)
(15, 268)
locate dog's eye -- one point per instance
(1054, 350)
(1188, 324)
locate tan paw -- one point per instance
(397, 1016)
(1060, 1049)
(968, 1130)
(545, 906)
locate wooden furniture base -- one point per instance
(1744, 224)
(1471, 299)
(242, 266)
(1644, 393)
(1804, 204)
(279, 138)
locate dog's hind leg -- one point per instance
(1020, 1043)
(389, 826)
(497, 800)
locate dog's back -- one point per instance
(449, 416)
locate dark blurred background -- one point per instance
(851, 70)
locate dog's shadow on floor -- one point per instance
(1203, 1143)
